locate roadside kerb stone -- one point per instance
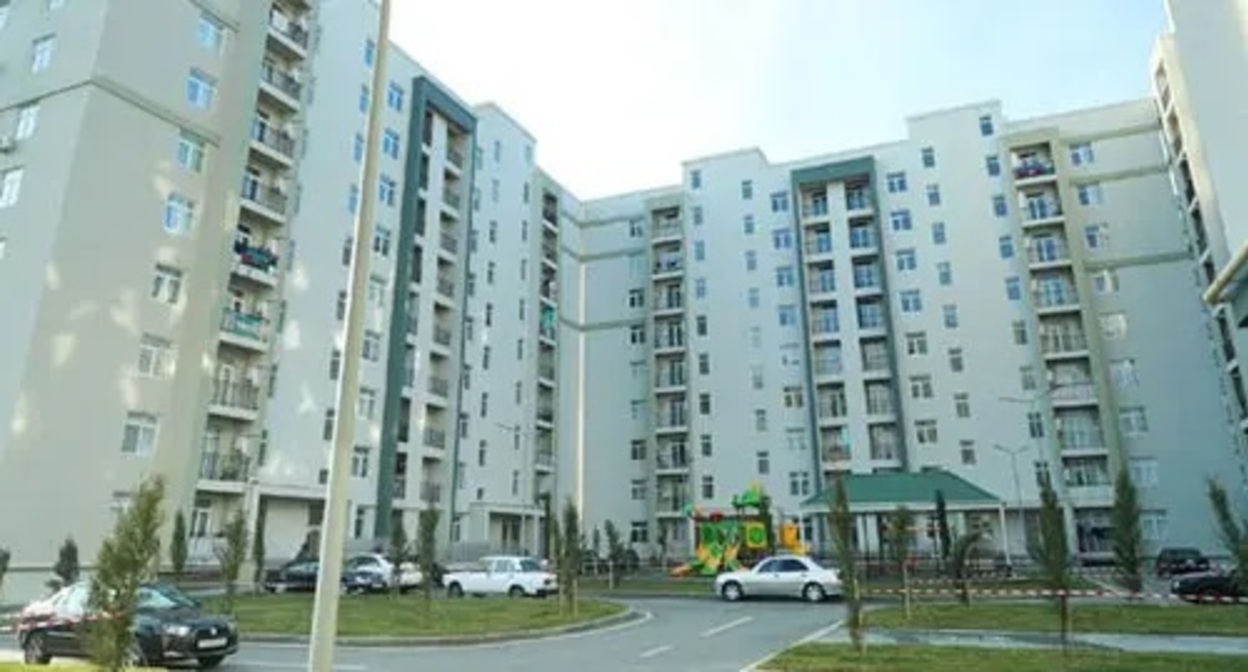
(628, 615)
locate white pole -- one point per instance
(334, 526)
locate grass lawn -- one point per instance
(893, 658)
(407, 616)
(1176, 619)
(1023, 583)
(695, 585)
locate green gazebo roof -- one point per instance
(911, 488)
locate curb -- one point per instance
(626, 616)
(648, 595)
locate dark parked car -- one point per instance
(300, 577)
(1208, 586)
(1174, 561)
(168, 627)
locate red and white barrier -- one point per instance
(1041, 592)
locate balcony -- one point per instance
(287, 36)
(258, 264)
(550, 254)
(824, 325)
(668, 263)
(829, 367)
(442, 336)
(438, 386)
(831, 409)
(821, 283)
(239, 400)
(281, 85)
(670, 378)
(884, 451)
(670, 301)
(820, 243)
(836, 453)
(546, 370)
(231, 466)
(1059, 298)
(857, 199)
(451, 199)
(669, 339)
(1046, 251)
(245, 330)
(1041, 209)
(272, 143)
(668, 227)
(1076, 393)
(671, 460)
(550, 212)
(454, 158)
(549, 290)
(400, 487)
(449, 243)
(673, 419)
(544, 459)
(413, 322)
(815, 207)
(671, 505)
(264, 200)
(1077, 439)
(446, 287)
(435, 438)
(1033, 169)
(430, 492)
(546, 413)
(1063, 342)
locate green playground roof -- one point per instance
(871, 490)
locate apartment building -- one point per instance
(1202, 111)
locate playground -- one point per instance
(728, 541)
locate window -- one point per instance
(372, 346)
(695, 179)
(782, 239)
(10, 187)
(485, 357)
(933, 194)
(390, 143)
(900, 220)
(41, 53)
(377, 291)
(637, 449)
(1132, 421)
(950, 312)
(1096, 236)
(637, 334)
(1005, 245)
(916, 343)
(992, 163)
(1090, 194)
(793, 396)
(167, 284)
(327, 425)
(699, 250)
(701, 325)
(920, 387)
(394, 97)
(956, 361)
(209, 33)
(335, 364)
(1144, 471)
(938, 233)
(639, 532)
(370, 53)
(1027, 378)
(928, 155)
(753, 297)
(704, 364)
(179, 214)
(944, 273)
(962, 405)
(365, 99)
(763, 459)
(1019, 328)
(139, 434)
(751, 260)
(780, 201)
(704, 445)
(190, 151)
(1081, 154)
(747, 190)
(498, 151)
(340, 308)
(788, 315)
(155, 357)
(785, 277)
(1154, 526)
(386, 190)
(1013, 288)
(357, 151)
(747, 224)
(925, 432)
(1122, 372)
(906, 260)
(201, 90)
(968, 452)
(985, 125)
(637, 489)
(699, 288)
(760, 420)
(911, 301)
(896, 182)
(799, 484)
(1035, 425)
(366, 404)
(756, 337)
(636, 298)
(1114, 326)
(381, 240)
(1105, 281)
(708, 487)
(704, 403)
(697, 215)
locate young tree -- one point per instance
(615, 553)
(67, 568)
(397, 553)
(258, 552)
(1234, 533)
(768, 519)
(595, 545)
(571, 554)
(843, 538)
(943, 537)
(1050, 550)
(1127, 538)
(960, 561)
(900, 537)
(127, 559)
(427, 548)
(5, 558)
(231, 554)
(178, 551)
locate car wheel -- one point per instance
(814, 592)
(515, 592)
(134, 656)
(454, 590)
(732, 591)
(35, 650)
(210, 662)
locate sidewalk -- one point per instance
(1237, 646)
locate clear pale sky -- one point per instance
(619, 92)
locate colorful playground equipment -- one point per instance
(724, 540)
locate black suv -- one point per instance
(168, 627)
(1174, 561)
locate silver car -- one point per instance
(781, 576)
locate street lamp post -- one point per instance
(333, 538)
(1018, 495)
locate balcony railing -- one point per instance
(442, 336)
(824, 324)
(228, 465)
(1048, 253)
(671, 378)
(413, 322)
(454, 157)
(671, 504)
(546, 370)
(1083, 390)
(829, 367)
(861, 239)
(883, 450)
(875, 363)
(821, 283)
(546, 412)
(290, 30)
(668, 264)
(281, 80)
(1081, 438)
(260, 258)
(549, 289)
(836, 453)
(1055, 298)
(1042, 209)
(544, 458)
(430, 492)
(452, 198)
(669, 340)
(400, 487)
(274, 139)
(679, 460)
(820, 243)
(247, 325)
(235, 394)
(859, 199)
(438, 387)
(550, 213)
(446, 287)
(450, 243)
(1030, 169)
(264, 196)
(815, 207)
(671, 419)
(665, 228)
(550, 252)
(828, 408)
(879, 407)
(1059, 342)
(435, 438)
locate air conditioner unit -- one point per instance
(7, 144)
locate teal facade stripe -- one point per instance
(426, 96)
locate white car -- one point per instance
(781, 576)
(375, 563)
(510, 575)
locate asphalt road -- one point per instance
(675, 635)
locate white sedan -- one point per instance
(781, 576)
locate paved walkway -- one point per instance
(1038, 640)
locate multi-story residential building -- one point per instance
(978, 306)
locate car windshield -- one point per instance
(530, 565)
(1183, 553)
(163, 597)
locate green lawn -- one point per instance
(388, 616)
(893, 658)
(696, 585)
(1024, 583)
(1174, 619)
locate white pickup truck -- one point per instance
(510, 575)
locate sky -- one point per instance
(619, 92)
